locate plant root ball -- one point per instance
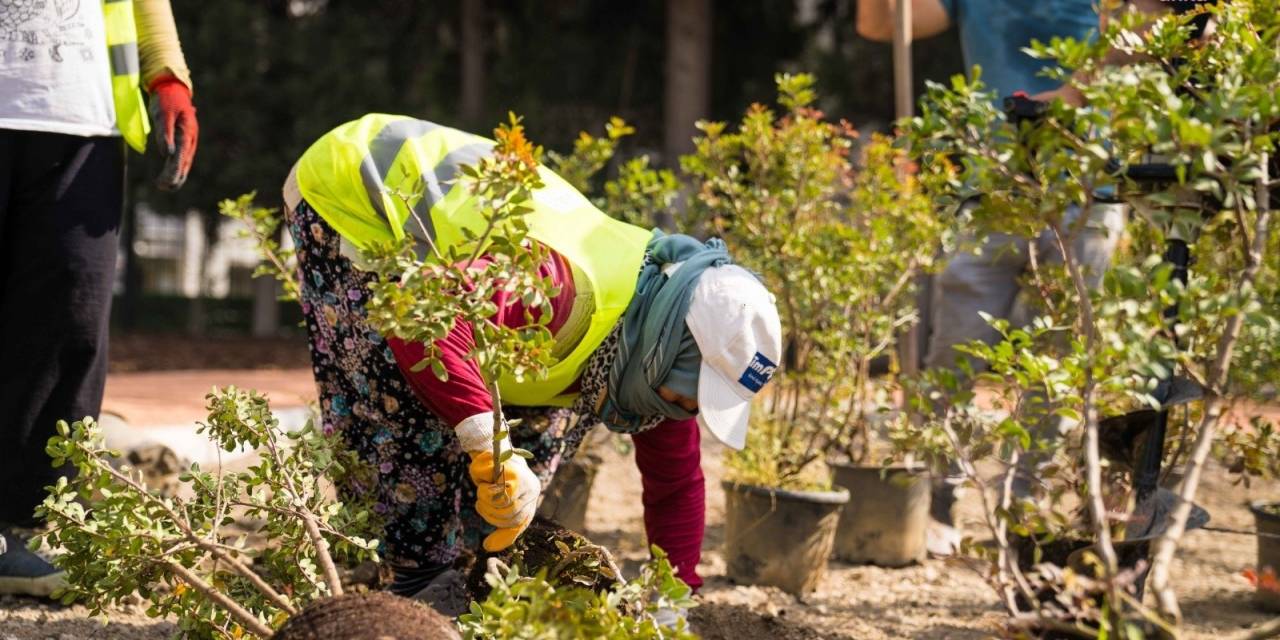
(568, 557)
(376, 615)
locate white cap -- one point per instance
(734, 321)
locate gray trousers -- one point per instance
(993, 281)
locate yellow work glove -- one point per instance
(510, 505)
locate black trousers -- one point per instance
(61, 198)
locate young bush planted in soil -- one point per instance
(1206, 109)
(839, 244)
(541, 607)
(420, 299)
(190, 556)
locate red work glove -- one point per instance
(173, 119)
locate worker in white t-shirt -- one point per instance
(72, 77)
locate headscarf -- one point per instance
(656, 347)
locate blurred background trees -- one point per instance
(273, 75)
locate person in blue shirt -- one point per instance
(993, 34)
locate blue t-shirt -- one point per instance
(994, 32)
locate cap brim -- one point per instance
(720, 409)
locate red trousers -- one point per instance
(675, 507)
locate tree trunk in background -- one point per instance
(266, 307)
(472, 48)
(195, 254)
(266, 298)
(688, 74)
(688, 80)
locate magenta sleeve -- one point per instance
(463, 395)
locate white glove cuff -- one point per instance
(475, 434)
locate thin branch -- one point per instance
(211, 547)
(1269, 629)
(265, 242)
(325, 559)
(322, 554)
(292, 513)
(242, 615)
(426, 233)
(1167, 544)
(219, 505)
(1041, 288)
(1093, 461)
(499, 425)
(900, 285)
(1002, 532)
(988, 513)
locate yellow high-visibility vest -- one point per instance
(350, 175)
(122, 50)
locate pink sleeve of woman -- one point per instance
(464, 394)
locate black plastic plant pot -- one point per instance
(780, 538)
(1072, 553)
(1267, 517)
(885, 520)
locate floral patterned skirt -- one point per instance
(422, 491)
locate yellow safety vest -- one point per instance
(122, 50)
(349, 175)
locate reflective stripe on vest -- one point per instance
(122, 51)
(360, 176)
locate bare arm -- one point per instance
(1068, 92)
(875, 19)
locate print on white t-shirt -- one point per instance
(54, 71)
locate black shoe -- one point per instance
(22, 572)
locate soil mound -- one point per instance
(568, 558)
(375, 615)
(737, 622)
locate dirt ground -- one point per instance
(935, 600)
(169, 352)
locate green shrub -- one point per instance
(531, 608)
(190, 556)
(839, 244)
(1206, 108)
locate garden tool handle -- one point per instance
(1147, 474)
